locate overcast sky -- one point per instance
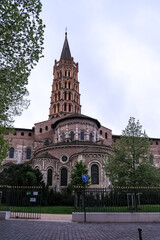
(117, 46)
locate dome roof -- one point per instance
(75, 116)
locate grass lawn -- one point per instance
(142, 208)
(57, 209)
(42, 209)
(70, 209)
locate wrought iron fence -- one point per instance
(21, 201)
(118, 199)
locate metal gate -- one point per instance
(21, 201)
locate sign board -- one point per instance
(32, 199)
(84, 178)
(28, 193)
(35, 193)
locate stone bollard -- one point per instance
(140, 233)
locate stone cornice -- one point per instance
(75, 144)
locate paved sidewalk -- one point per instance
(56, 217)
(43, 230)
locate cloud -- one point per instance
(132, 65)
(117, 46)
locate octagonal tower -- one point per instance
(65, 97)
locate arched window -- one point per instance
(70, 107)
(94, 174)
(151, 158)
(69, 85)
(72, 135)
(55, 96)
(49, 177)
(11, 152)
(59, 96)
(91, 137)
(54, 108)
(100, 132)
(28, 153)
(58, 107)
(64, 177)
(69, 96)
(63, 137)
(82, 135)
(106, 135)
(65, 84)
(65, 73)
(65, 107)
(65, 95)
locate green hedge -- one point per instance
(54, 198)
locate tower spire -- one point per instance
(66, 54)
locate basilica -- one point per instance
(67, 136)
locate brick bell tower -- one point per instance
(65, 97)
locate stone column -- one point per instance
(67, 133)
(87, 133)
(19, 153)
(76, 135)
(94, 137)
(59, 136)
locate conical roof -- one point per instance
(66, 54)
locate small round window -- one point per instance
(64, 158)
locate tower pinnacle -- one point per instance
(66, 31)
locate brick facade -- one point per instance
(55, 145)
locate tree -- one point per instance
(4, 145)
(76, 175)
(130, 164)
(20, 47)
(21, 40)
(21, 175)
